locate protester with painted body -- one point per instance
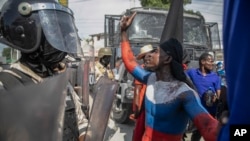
(139, 93)
(169, 100)
(102, 65)
(44, 32)
(139, 87)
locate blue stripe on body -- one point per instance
(141, 74)
(169, 118)
(192, 104)
(172, 117)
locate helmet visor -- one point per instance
(60, 30)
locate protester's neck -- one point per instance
(204, 71)
(164, 74)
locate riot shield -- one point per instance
(105, 92)
(34, 112)
(83, 85)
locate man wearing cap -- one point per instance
(139, 91)
(138, 97)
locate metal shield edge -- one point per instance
(101, 109)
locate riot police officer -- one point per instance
(102, 65)
(44, 32)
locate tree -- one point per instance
(7, 53)
(64, 2)
(160, 3)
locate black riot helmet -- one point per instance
(23, 24)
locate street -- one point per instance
(124, 132)
(119, 132)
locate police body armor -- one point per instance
(100, 71)
(70, 128)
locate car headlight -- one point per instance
(129, 93)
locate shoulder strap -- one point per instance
(25, 79)
(9, 80)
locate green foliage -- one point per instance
(7, 53)
(165, 4)
(156, 3)
(160, 3)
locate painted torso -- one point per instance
(168, 105)
(162, 103)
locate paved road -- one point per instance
(123, 132)
(119, 132)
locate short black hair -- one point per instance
(174, 48)
(204, 56)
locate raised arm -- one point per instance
(127, 54)
(204, 122)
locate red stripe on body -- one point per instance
(207, 126)
(128, 56)
(152, 135)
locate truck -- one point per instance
(198, 37)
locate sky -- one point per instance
(89, 14)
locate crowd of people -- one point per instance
(167, 93)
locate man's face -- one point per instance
(105, 60)
(151, 59)
(208, 63)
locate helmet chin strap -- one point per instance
(50, 56)
(44, 60)
(33, 61)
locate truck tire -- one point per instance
(121, 113)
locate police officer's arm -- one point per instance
(82, 121)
